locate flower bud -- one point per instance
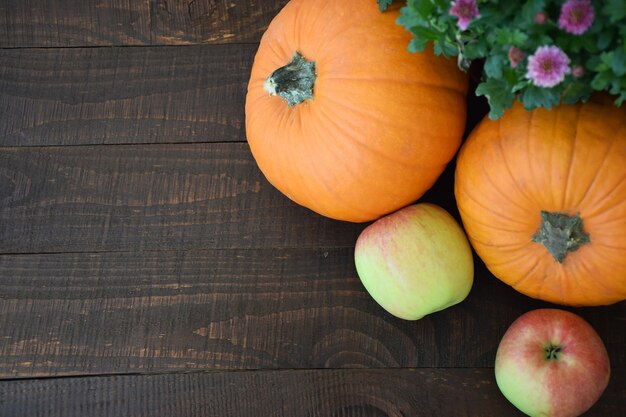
(541, 18)
(516, 56)
(578, 71)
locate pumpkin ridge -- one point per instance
(372, 115)
(581, 202)
(428, 85)
(572, 158)
(508, 169)
(358, 139)
(530, 132)
(489, 209)
(601, 282)
(508, 247)
(528, 274)
(610, 246)
(510, 259)
(504, 196)
(598, 204)
(338, 196)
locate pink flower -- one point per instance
(578, 71)
(516, 56)
(576, 16)
(541, 18)
(465, 11)
(548, 66)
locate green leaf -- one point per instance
(534, 97)
(601, 81)
(425, 33)
(446, 48)
(408, 18)
(604, 39)
(615, 9)
(493, 66)
(442, 4)
(424, 8)
(506, 36)
(383, 4)
(418, 45)
(499, 95)
(619, 62)
(474, 50)
(575, 92)
(531, 8)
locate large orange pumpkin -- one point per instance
(341, 118)
(542, 196)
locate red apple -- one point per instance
(552, 363)
(415, 261)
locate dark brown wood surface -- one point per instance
(311, 393)
(63, 23)
(84, 96)
(147, 268)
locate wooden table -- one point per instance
(148, 269)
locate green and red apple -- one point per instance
(415, 261)
(552, 363)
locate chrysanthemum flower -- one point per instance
(548, 66)
(576, 16)
(465, 11)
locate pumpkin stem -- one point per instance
(561, 234)
(294, 82)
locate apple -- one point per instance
(552, 363)
(415, 261)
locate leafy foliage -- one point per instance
(383, 4)
(597, 56)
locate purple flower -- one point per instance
(576, 16)
(466, 11)
(548, 66)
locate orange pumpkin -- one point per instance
(542, 196)
(341, 118)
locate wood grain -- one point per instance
(63, 23)
(82, 96)
(212, 21)
(312, 393)
(108, 313)
(117, 198)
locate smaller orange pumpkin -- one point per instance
(542, 196)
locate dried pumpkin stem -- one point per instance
(561, 234)
(294, 82)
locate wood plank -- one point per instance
(311, 393)
(160, 197)
(212, 21)
(109, 313)
(62, 23)
(81, 96)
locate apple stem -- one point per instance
(552, 352)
